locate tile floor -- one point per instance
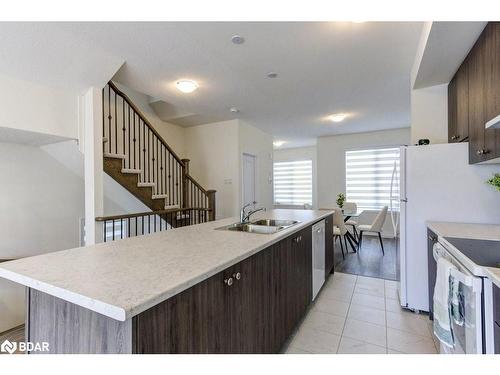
(360, 315)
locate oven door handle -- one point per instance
(469, 281)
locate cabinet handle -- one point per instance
(237, 275)
(229, 281)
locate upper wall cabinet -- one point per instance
(474, 97)
(458, 106)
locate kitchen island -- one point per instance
(194, 289)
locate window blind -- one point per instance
(293, 182)
(368, 177)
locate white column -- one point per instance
(93, 164)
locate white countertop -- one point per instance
(123, 278)
(474, 231)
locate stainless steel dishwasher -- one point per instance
(318, 257)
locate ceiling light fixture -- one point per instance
(338, 117)
(234, 110)
(272, 75)
(278, 143)
(237, 39)
(186, 86)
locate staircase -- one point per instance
(138, 158)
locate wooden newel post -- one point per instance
(185, 172)
(211, 204)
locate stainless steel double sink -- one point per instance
(262, 226)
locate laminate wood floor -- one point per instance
(369, 260)
(13, 335)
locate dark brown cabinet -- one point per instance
(477, 115)
(431, 269)
(496, 318)
(458, 106)
(474, 97)
(251, 307)
(329, 259)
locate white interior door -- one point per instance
(249, 173)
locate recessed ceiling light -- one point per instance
(234, 110)
(338, 117)
(272, 75)
(186, 86)
(237, 39)
(278, 143)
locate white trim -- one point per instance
(494, 123)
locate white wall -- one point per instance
(331, 164)
(214, 153)
(174, 135)
(29, 106)
(429, 114)
(255, 142)
(41, 203)
(301, 153)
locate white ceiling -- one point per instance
(362, 69)
(442, 48)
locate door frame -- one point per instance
(256, 174)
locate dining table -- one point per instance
(348, 215)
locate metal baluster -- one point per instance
(153, 160)
(109, 118)
(104, 231)
(134, 141)
(116, 124)
(170, 197)
(144, 150)
(103, 121)
(149, 171)
(139, 149)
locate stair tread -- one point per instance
(115, 156)
(146, 184)
(133, 171)
(160, 196)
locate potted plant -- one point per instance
(495, 181)
(340, 200)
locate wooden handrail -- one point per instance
(190, 178)
(151, 213)
(145, 120)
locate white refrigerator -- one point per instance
(437, 184)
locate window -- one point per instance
(368, 177)
(293, 182)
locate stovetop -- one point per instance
(484, 253)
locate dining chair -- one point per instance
(340, 230)
(374, 227)
(351, 207)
